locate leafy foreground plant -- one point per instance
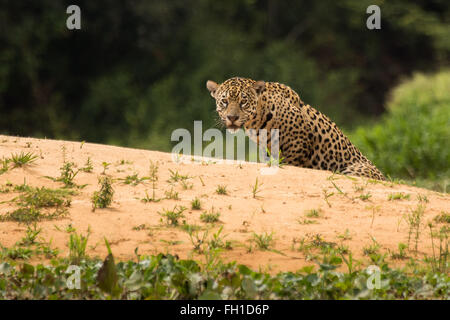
(166, 277)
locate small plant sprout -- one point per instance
(256, 188)
(365, 197)
(222, 189)
(273, 161)
(196, 204)
(103, 198)
(105, 167)
(4, 165)
(327, 195)
(314, 213)
(88, 166)
(175, 176)
(153, 177)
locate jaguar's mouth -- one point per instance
(233, 128)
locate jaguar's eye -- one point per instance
(224, 102)
(243, 102)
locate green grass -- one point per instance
(314, 213)
(263, 241)
(134, 179)
(172, 194)
(210, 217)
(196, 204)
(398, 196)
(21, 159)
(36, 204)
(172, 216)
(222, 189)
(443, 217)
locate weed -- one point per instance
(153, 179)
(401, 254)
(345, 236)
(210, 217)
(222, 189)
(256, 188)
(68, 174)
(414, 220)
(172, 216)
(88, 166)
(21, 159)
(327, 195)
(103, 198)
(197, 240)
(32, 201)
(443, 217)
(278, 162)
(217, 241)
(77, 247)
(440, 263)
(263, 241)
(422, 198)
(398, 196)
(172, 194)
(365, 197)
(105, 167)
(175, 176)
(306, 221)
(134, 179)
(30, 236)
(314, 213)
(196, 204)
(371, 249)
(4, 165)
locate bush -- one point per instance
(411, 140)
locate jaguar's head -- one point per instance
(236, 100)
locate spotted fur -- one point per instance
(308, 138)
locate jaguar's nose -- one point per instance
(232, 118)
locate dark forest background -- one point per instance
(137, 69)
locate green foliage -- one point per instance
(103, 198)
(411, 141)
(35, 204)
(164, 276)
(138, 96)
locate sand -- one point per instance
(279, 207)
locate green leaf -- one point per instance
(107, 276)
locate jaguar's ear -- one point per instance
(259, 86)
(212, 87)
